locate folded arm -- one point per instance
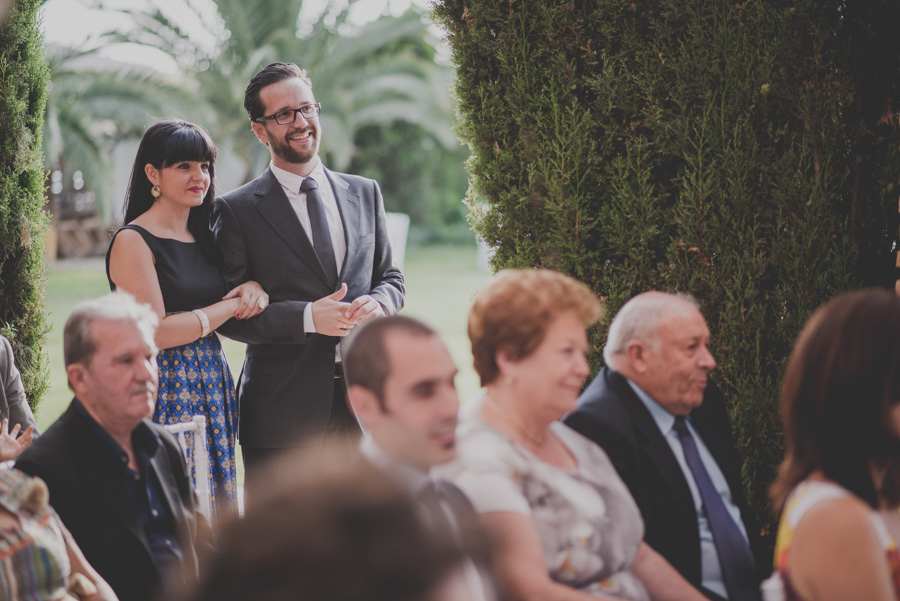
(132, 269)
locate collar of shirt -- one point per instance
(145, 441)
(409, 478)
(665, 421)
(291, 181)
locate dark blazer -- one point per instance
(459, 504)
(472, 536)
(88, 493)
(13, 404)
(287, 384)
(611, 414)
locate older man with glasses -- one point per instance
(317, 242)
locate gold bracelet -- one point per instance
(204, 322)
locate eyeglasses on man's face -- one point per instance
(288, 116)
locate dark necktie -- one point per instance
(430, 500)
(320, 233)
(738, 565)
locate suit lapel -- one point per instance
(349, 207)
(657, 447)
(276, 209)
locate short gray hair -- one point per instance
(639, 319)
(79, 346)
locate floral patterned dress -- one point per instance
(589, 525)
(802, 499)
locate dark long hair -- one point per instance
(165, 143)
(840, 386)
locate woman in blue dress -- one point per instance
(165, 257)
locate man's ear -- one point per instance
(261, 134)
(363, 403)
(76, 374)
(636, 355)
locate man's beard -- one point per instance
(282, 148)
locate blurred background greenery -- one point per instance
(383, 78)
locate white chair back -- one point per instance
(197, 427)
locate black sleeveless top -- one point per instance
(187, 278)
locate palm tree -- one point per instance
(382, 73)
(92, 105)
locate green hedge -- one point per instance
(744, 152)
(24, 77)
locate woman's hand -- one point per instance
(253, 299)
(12, 443)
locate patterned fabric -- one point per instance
(34, 561)
(194, 379)
(805, 496)
(589, 526)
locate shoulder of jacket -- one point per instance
(242, 193)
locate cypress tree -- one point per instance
(24, 76)
(743, 152)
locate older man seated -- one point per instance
(667, 433)
(118, 481)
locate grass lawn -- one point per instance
(440, 284)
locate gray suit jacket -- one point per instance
(287, 384)
(13, 404)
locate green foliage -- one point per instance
(23, 92)
(90, 109)
(746, 153)
(382, 74)
(386, 107)
(419, 177)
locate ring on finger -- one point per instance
(261, 302)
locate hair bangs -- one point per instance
(189, 144)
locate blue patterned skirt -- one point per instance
(194, 379)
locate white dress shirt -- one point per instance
(712, 577)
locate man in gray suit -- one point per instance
(317, 242)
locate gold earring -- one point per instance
(155, 191)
